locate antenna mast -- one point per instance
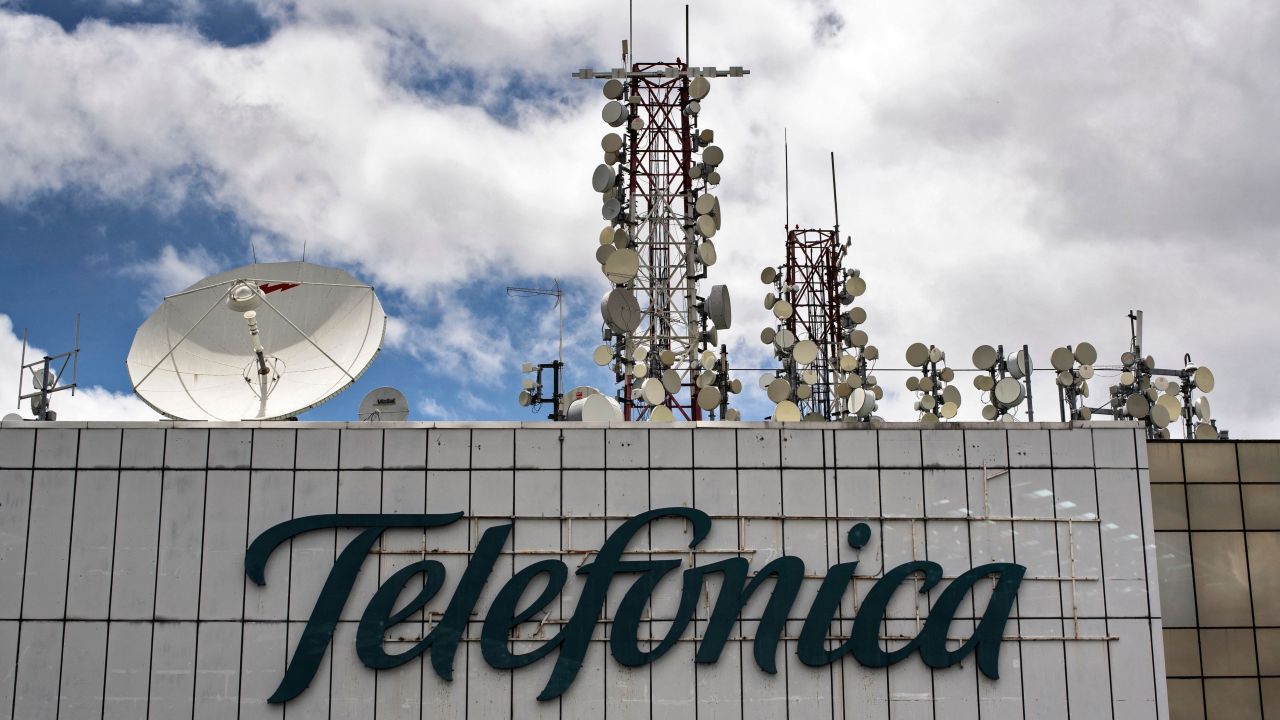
(655, 184)
(46, 376)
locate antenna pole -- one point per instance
(835, 200)
(631, 30)
(22, 367)
(786, 177)
(75, 358)
(686, 35)
(1031, 407)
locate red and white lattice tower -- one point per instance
(659, 170)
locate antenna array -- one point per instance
(655, 186)
(1007, 379)
(938, 399)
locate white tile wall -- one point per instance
(154, 523)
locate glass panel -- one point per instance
(1210, 462)
(1214, 507)
(1259, 462)
(1261, 507)
(1264, 573)
(1186, 700)
(1169, 506)
(1222, 579)
(1269, 652)
(1228, 652)
(1271, 697)
(1165, 459)
(1181, 653)
(1177, 589)
(1235, 699)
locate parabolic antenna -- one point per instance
(261, 342)
(719, 308)
(384, 404)
(594, 408)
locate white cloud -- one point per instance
(1009, 174)
(169, 272)
(89, 402)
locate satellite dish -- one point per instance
(671, 381)
(603, 177)
(706, 226)
(384, 404)
(989, 412)
(1061, 359)
(1086, 354)
(661, 413)
(709, 398)
(985, 383)
(614, 113)
(621, 311)
(804, 391)
(1205, 431)
(707, 253)
(705, 204)
(768, 275)
(640, 369)
(855, 286)
(1127, 377)
(594, 408)
(805, 352)
(602, 355)
(1137, 406)
(984, 358)
(848, 363)
(1202, 408)
(706, 378)
(951, 394)
(767, 335)
(315, 332)
(858, 338)
(719, 309)
(810, 376)
(13, 417)
(1203, 378)
(871, 352)
(917, 354)
(784, 339)
(949, 410)
(611, 209)
(936, 355)
(1008, 393)
(699, 87)
(782, 309)
(613, 88)
(913, 383)
(786, 411)
(779, 389)
(622, 266)
(856, 315)
(652, 391)
(713, 155)
(611, 143)
(603, 252)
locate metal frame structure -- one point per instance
(657, 176)
(812, 273)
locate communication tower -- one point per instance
(655, 183)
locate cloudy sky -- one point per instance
(1009, 173)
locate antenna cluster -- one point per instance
(655, 187)
(1075, 369)
(937, 398)
(1006, 381)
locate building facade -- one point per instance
(409, 570)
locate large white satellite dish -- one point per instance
(261, 342)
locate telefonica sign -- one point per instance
(503, 615)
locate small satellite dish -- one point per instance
(947, 375)
(603, 177)
(699, 87)
(1086, 372)
(1020, 365)
(315, 332)
(382, 405)
(614, 113)
(640, 369)
(1086, 354)
(709, 398)
(12, 417)
(948, 410)
(936, 355)
(848, 363)
(1203, 379)
(1137, 406)
(713, 155)
(871, 352)
(951, 394)
(603, 252)
(707, 253)
(662, 414)
(706, 226)
(784, 339)
(1205, 431)
(805, 352)
(719, 308)
(984, 358)
(1160, 416)
(1008, 393)
(913, 383)
(927, 402)
(1171, 405)
(779, 389)
(611, 209)
(594, 408)
(844, 390)
(671, 381)
(735, 386)
(989, 412)
(917, 354)
(858, 338)
(1202, 408)
(1128, 358)
(611, 143)
(768, 275)
(602, 355)
(622, 266)
(652, 391)
(786, 411)
(706, 378)
(1127, 377)
(782, 309)
(804, 391)
(984, 383)
(767, 335)
(926, 384)
(855, 286)
(1061, 359)
(856, 315)
(809, 376)
(613, 88)
(705, 204)
(621, 311)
